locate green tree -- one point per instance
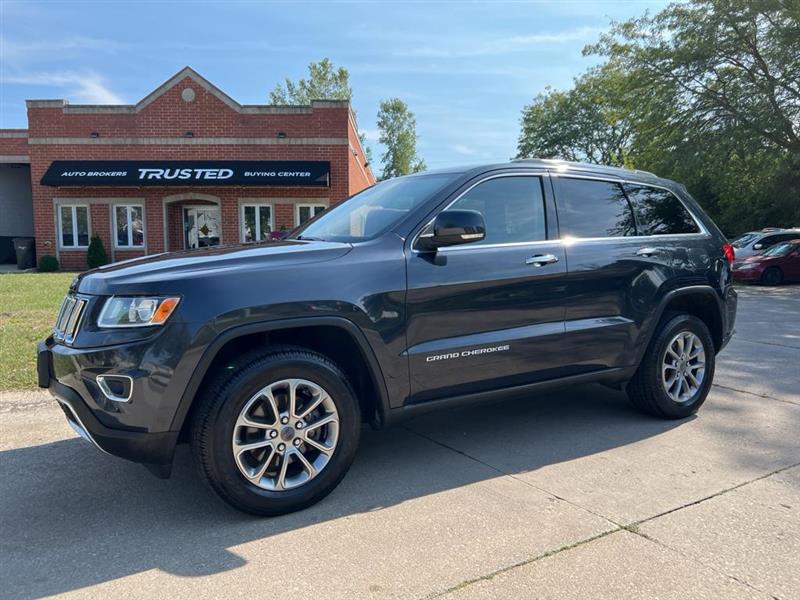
(325, 82)
(704, 92)
(729, 62)
(398, 133)
(591, 122)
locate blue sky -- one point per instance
(466, 69)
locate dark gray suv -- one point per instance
(419, 292)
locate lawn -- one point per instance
(28, 306)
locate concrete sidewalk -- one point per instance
(566, 495)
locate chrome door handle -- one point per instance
(647, 251)
(540, 260)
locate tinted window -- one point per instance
(659, 212)
(589, 208)
(771, 240)
(513, 208)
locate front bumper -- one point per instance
(151, 448)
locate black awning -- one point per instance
(140, 173)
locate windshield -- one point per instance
(778, 250)
(743, 240)
(371, 212)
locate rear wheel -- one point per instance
(677, 370)
(772, 276)
(279, 434)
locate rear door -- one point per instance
(615, 278)
(490, 314)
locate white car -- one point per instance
(755, 242)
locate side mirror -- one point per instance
(452, 227)
(758, 246)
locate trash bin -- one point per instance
(26, 257)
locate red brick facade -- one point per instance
(158, 128)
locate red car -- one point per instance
(774, 266)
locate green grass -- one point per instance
(28, 306)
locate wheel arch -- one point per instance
(241, 339)
(701, 301)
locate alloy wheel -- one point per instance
(286, 434)
(683, 367)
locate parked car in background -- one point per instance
(755, 242)
(777, 264)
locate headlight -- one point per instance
(138, 311)
(744, 266)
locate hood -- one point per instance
(146, 274)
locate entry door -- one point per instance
(202, 226)
(490, 314)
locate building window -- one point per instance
(256, 222)
(73, 226)
(308, 211)
(129, 225)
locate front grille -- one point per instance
(69, 319)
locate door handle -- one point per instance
(540, 260)
(647, 251)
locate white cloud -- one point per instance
(85, 87)
(463, 149)
(470, 48)
(371, 135)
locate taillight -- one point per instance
(730, 253)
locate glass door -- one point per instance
(201, 225)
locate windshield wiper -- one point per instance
(306, 238)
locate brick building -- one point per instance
(186, 166)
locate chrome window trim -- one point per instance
(539, 174)
(611, 179)
(702, 234)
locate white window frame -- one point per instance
(311, 205)
(73, 208)
(257, 206)
(130, 245)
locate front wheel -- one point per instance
(279, 434)
(677, 370)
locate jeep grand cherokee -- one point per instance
(421, 291)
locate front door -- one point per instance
(201, 225)
(490, 314)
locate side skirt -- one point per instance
(614, 377)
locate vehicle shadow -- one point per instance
(72, 517)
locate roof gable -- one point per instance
(186, 72)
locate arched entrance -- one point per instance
(193, 221)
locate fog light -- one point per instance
(117, 388)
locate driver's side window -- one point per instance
(512, 207)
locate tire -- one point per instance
(772, 276)
(647, 390)
(217, 430)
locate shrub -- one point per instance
(48, 264)
(96, 254)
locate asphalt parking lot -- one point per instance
(565, 495)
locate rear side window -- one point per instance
(771, 240)
(590, 209)
(512, 207)
(659, 212)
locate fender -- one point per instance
(655, 319)
(215, 346)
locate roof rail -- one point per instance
(569, 163)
